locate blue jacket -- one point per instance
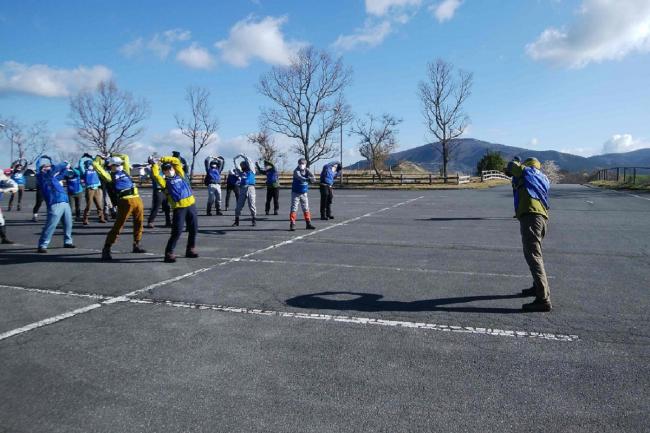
(51, 184)
(328, 175)
(301, 181)
(73, 181)
(89, 176)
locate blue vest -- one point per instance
(18, 177)
(91, 178)
(232, 179)
(327, 175)
(536, 184)
(247, 178)
(299, 186)
(73, 183)
(122, 181)
(272, 177)
(178, 188)
(215, 175)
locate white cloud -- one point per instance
(580, 151)
(533, 143)
(196, 57)
(369, 36)
(445, 10)
(620, 143)
(258, 39)
(160, 44)
(603, 30)
(43, 80)
(383, 7)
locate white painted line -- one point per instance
(54, 292)
(368, 321)
(389, 268)
(48, 321)
(126, 297)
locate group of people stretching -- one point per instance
(106, 181)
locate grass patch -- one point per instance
(612, 184)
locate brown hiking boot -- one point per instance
(537, 306)
(137, 249)
(170, 258)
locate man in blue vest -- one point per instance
(246, 174)
(181, 199)
(93, 188)
(330, 172)
(232, 186)
(213, 168)
(50, 179)
(531, 199)
(302, 177)
(18, 176)
(75, 189)
(272, 186)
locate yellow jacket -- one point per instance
(162, 181)
(98, 164)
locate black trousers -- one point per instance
(272, 193)
(39, 201)
(229, 189)
(326, 197)
(182, 216)
(159, 200)
(21, 189)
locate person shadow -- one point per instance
(371, 302)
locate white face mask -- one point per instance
(302, 166)
(171, 173)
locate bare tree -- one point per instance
(266, 146)
(443, 95)
(30, 142)
(308, 102)
(107, 120)
(201, 127)
(552, 171)
(377, 139)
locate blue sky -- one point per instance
(568, 75)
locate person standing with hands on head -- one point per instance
(18, 176)
(213, 167)
(128, 201)
(158, 199)
(50, 179)
(181, 199)
(272, 186)
(93, 188)
(531, 188)
(327, 176)
(7, 185)
(302, 177)
(246, 175)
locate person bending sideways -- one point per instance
(213, 168)
(158, 201)
(93, 188)
(531, 188)
(181, 199)
(246, 175)
(302, 177)
(232, 186)
(330, 172)
(50, 180)
(128, 201)
(272, 186)
(75, 190)
(7, 186)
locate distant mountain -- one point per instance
(470, 151)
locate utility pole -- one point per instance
(341, 160)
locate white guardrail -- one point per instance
(493, 174)
(463, 179)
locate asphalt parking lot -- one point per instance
(400, 315)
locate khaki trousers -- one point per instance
(533, 229)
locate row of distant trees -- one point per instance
(306, 104)
(493, 160)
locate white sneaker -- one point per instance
(35, 218)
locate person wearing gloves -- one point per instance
(181, 199)
(232, 185)
(128, 201)
(302, 177)
(246, 175)
(330, 172)
(93, 188)
(50, 179)
(7, 186)
(158, 200)
(213, 168)
(18, 176)
(531, 199)
(272, 186)
(75, 189)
